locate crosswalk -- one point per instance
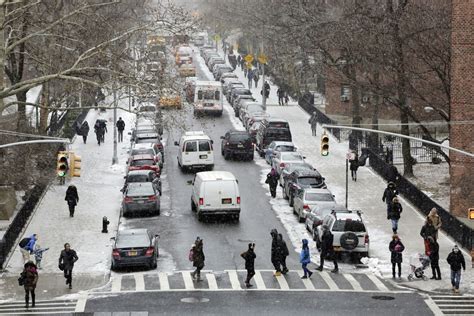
(41, 308)
(233, 280)
(454, 304)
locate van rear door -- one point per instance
(220, 194)
(190, 153)
(205, 153)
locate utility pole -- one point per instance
(115, 158)
(264, 95)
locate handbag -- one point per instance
(21, 279)
(61, 266)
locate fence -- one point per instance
(460, 232)
(306, 103)
(16, 226)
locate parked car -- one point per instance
(315, 216)
(255, 117)
(237, 102)
(250, 107)
(301, 179)
(349, 230)
(214, 61)
(308, 197)
(281, 158)
(228, 75)
(229, 85)
(278, 146)
(141, 197)
(142, 176)
(135, 247)
(237, 143)
(272, 129)
(293, 166)
(187, 70)
(253, 131)
(238, 91)
(147, 148)
(143, 162)
(219, 69)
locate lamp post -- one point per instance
(114, 157)
(441, 112)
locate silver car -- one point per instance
(308, 197)
(315, 216)
(290, 167)
(141, 197)
(282, 158)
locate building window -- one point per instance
(345, 93)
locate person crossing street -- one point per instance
(198, 259)
(67, 258)
(249, 257)
(327, 249)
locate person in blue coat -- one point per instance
(27, 247)
(305, 259)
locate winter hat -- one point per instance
(395, 200)
(395, 236)
(456, 248)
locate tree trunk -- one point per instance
(22, 123)
(407, 158)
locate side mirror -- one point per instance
(112, 238)
(176, 143)
(189, 182)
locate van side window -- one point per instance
(204, 145)
(217, 95)
(190, 146)
(200, 95)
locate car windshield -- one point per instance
(291, 156)
(299, 166)
(285, 148)
(277, 133)
(239, 137)
(129, 241)
(142, 162)
(147, 108)
(310, 181)
(142, 151)
(348, 225)
(323, 197)
(137, 178)
(208, 95)
(142, 189)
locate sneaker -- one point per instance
(304, 277)
(456, 291)
(438, 278)
(193, 275)
(335, 271)
(310, 274)
(285, 271)
(70, 286)
(319, 268)
(277, 273)
(248, 285)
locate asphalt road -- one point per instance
(261, 303)
(224, 241)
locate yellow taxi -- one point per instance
(187, 70)
(170, 99)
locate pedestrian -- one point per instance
(281, 96)
(249, 257)
(266, 88)
(250, 75)
(456, 262)
(198, 259)
(256, 77)
(242, 62)
(287, 98)
(283, 253)
(305, 259)
(354, 165)
(120, 127)
(435, 220)
(313, 121)
(276, 252)
(434, 258)
(327, 249)
(27, 246)
(30, 279)
(239, 61)
(394, 213)
(67, 258)
(85, 131)
(272, 181)
(427, 230)
(396, 248)
(72, 199)
(98, 132)
(388, 195)
(39, 254)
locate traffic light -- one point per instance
(62, 164)
(324, 144)
(75, 170)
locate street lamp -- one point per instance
(441, 112)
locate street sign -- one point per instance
(217, 37)
(248, 58)
(350, 156)
(262, 59)
(471, 213)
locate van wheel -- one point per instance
(301, 219)
(226, 155)
(236, 217)
(291, 200)
(193, 206)
(251, 157)
(200, 217)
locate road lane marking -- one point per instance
(164, 284)
(117, 283)
(379, 284)
(355, 285)
(332, 285)
(433, 307)
(211, 281)
(307, 282)
(139, 282)
(282, 281)
(81, 304)
(188, 280)
(234, 279)
(259, 281)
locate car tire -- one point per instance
(301, 219)
(363, 254)
(226, 155)
(158, 212)
(154, 264)
(291, 202)
(193, 206)
(112, 266)
(307, 227)
(200, 217)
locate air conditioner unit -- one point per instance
(344, 98)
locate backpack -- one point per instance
(24, 242)
(191, 254)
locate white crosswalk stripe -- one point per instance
(453, 304)
(233, 280)
(42, 307)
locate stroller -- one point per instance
(418, 263)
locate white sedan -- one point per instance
(306, 198)
(280, 159)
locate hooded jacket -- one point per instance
(389, 193)
(30, 273)
(435, 219)
(276, 252)
(456, 260)
(249, 257)
(396, 252)
(198, 255)
(305, 257)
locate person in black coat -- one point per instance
(396, 248)
(388, 195)
(283, 253)
(66, 262)
(249, 257)
(72, 199)
(428, 230)
(85, 131)
(456, 262)
(198, 259)
(272, 181)
(354, 165)
(434, 258)
(327, 249)
(120, 127)
(394, 213)
(276, 252)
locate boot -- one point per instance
(277, 273)
(310, 274)
(193, 275)
(335, 270)
(33, 300)
(319, 268)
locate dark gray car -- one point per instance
(138, 176)
(141, 197)
(135, 247)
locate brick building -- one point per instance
(462, 106)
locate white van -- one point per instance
(195, 151)
(208, 98)
(215, 193)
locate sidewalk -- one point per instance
(365, 194)
(99, 195)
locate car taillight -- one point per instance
(282, 165)
(317, 223)
(128, 199)
(306, 207)
(238, 200)
(152, 198)
(366, 239)
(227, 143)
(115, 253)
(149, 252)
(160, 146)
(201, 201)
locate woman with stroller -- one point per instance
(396, 247)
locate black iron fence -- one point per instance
(459, 231)
(16, 226)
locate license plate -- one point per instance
(240, 146)
(132, 253)
(140, 201)
(226, 201)
(202, 156)
(208, 104)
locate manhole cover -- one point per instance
(383, 297)
(194, 300)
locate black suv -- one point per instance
(302, 179)
(237, 143)
(266, 135)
